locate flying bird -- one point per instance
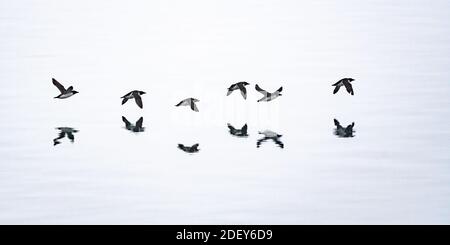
(65, 93)
(134, 127)
(189, 102)
(346, 82)
(343, 132)
(268, 96)
(270, 135)
(136, 95)
(240, 86)
(63, 132)
(238, 132)
(189, 149)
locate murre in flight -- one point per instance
(63, 132)
(241, 87)
(346, 82)
(134, 127)
(343, 132)
(65, 93)
(189, 102)
(270, 135)
(136, 95)
(268, 96)
(189, 149)
(238, 132)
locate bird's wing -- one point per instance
(124, 100)
(349, 87)
(336, 83)
(264, 92)
(70, 136)
(231, 127)
(244, 128)
(126, 95)
(243, 91)
(59, 86)
(139, 122)
(69, 89)
(181, 103)
(336, 89)
(127, 123)
(279, 143)
(138, 100)
(193, 106)
(336, 123)
(280, 89)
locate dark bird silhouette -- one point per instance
(346, 82)
(189, 102)
(65, 93)
(268, 96)
(189, 149)
(270, 135)
(63, 132)
(136, 95)
(343, 132)
(134, 127)
(238, 132)
(241, 87)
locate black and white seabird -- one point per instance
(136, 95)
(189, 102)
(343, 132)
(65, 93)
(238, 132)
(134, 127)
(189, 149)
(346, 82)
(63, 132)
(268, 96)
(270, 135)
(241, 87)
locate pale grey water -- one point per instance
(395, 170)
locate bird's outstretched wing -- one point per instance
(243, 91)
(336, 89)
(231, 127)
(59, 86)
(138, 100)
(193, 106)
(124, 101)
(280, 89)
(349, 87)
(127, 123)
(336, 123)
(264, 92)
(139, 122)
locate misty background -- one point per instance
(395, 170)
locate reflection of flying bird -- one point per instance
(189, 102)
(238, 132)
(270, 135)
(65, 93)
(63, 132)
(346, 82)
(136, 95)
(136, 127)
(189, 149)
(240, 86)
(268, 96)
(343, 132)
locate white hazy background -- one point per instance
(396, 170)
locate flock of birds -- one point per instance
(191, 102)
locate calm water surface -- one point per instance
(395, 169)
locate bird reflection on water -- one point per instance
(137, 127)
(63, 132)
(342, 132)
(270, 135)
